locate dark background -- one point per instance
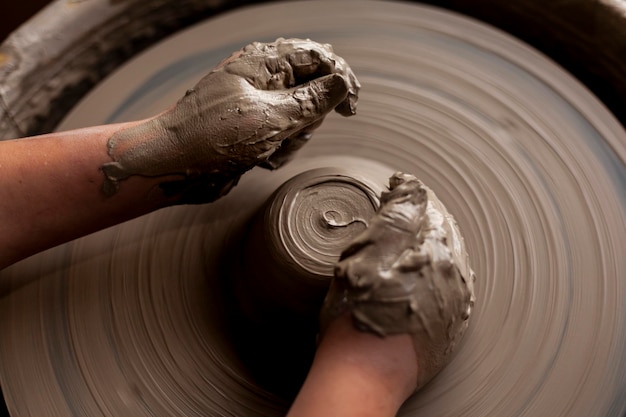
(17, 13)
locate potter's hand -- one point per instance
(407, 273)
(256, 107)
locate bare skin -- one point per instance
(50, 191)
(357, 374)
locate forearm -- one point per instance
(357, 374)
(51, 191)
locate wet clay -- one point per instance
(407, 273)
(294, 240)
(235, 118)
(297, 238)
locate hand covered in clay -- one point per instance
(255, 108)
(407, 273)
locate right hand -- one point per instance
(407, 273)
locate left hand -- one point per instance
(255, 108)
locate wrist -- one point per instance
(358, 374)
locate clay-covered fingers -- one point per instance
(287, 63)
(349, 105)
(370, 284)
(310, 60)
(297, 112)
(294, 84)
(408, 272)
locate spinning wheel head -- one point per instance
(530, 164)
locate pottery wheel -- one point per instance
(130, 321)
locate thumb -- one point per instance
(319, 97)
(297, 112)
